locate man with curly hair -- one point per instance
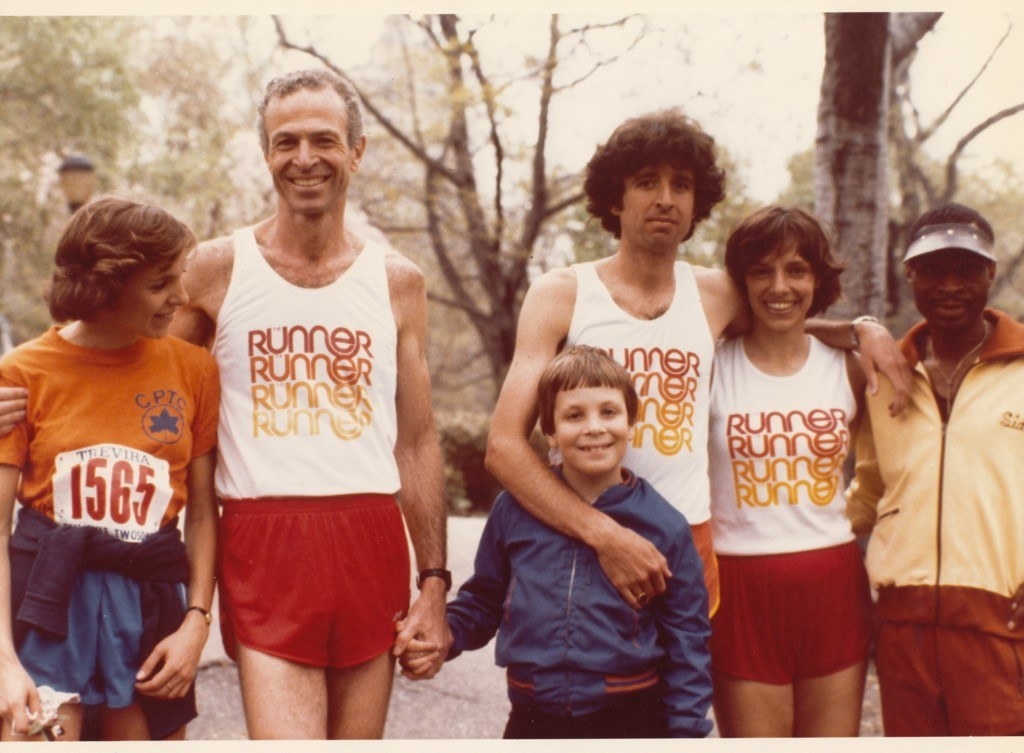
(650, 184)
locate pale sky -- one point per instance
(761, 117)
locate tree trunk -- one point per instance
(850, 176)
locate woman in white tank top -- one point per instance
(790, 641)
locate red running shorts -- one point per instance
(793, 616)
(316, 581)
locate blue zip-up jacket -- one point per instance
(568, 640)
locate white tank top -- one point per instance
(778, 444)
(307, 381)
(670, 360)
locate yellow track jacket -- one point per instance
(944, 503)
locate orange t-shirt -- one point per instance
(109, 434)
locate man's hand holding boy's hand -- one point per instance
(421, 659)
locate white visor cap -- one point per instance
(953, 235)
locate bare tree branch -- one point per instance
(488, 94)
(410, 92)
(616, 24)
(927, 132)
(564, 204)
(581, 32)
(538, 177)
(435, 231)
(388, 125)
(954, 157)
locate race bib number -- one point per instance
(120, 489)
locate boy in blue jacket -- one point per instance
(580, 662)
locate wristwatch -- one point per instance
(853, 328)
(205, 613)
(435, 572)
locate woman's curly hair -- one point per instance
(104, 242)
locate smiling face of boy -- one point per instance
(591, 431)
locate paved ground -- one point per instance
(465, 701)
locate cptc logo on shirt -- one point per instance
(163, 418)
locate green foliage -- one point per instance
(470, 488)
(65, 86)
(800, 191)
(197, 116)
(589, 240)
(158, 105)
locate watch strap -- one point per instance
(435, 572)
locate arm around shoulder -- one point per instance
(511, 458)
(541, 332)
(879, 353)
(206, 281)
(631, 562)
(13, 402)
(726, 313)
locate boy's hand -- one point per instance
(421, 659)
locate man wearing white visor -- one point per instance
(940, 488)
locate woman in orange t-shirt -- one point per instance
(101, 602)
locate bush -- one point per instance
(471, 489)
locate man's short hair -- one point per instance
(770, 230)
(580, 366)
(650, 140)
(952, 214)
(104, 242)
(313, 79)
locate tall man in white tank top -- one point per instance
(320, 338)
(649, 184)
